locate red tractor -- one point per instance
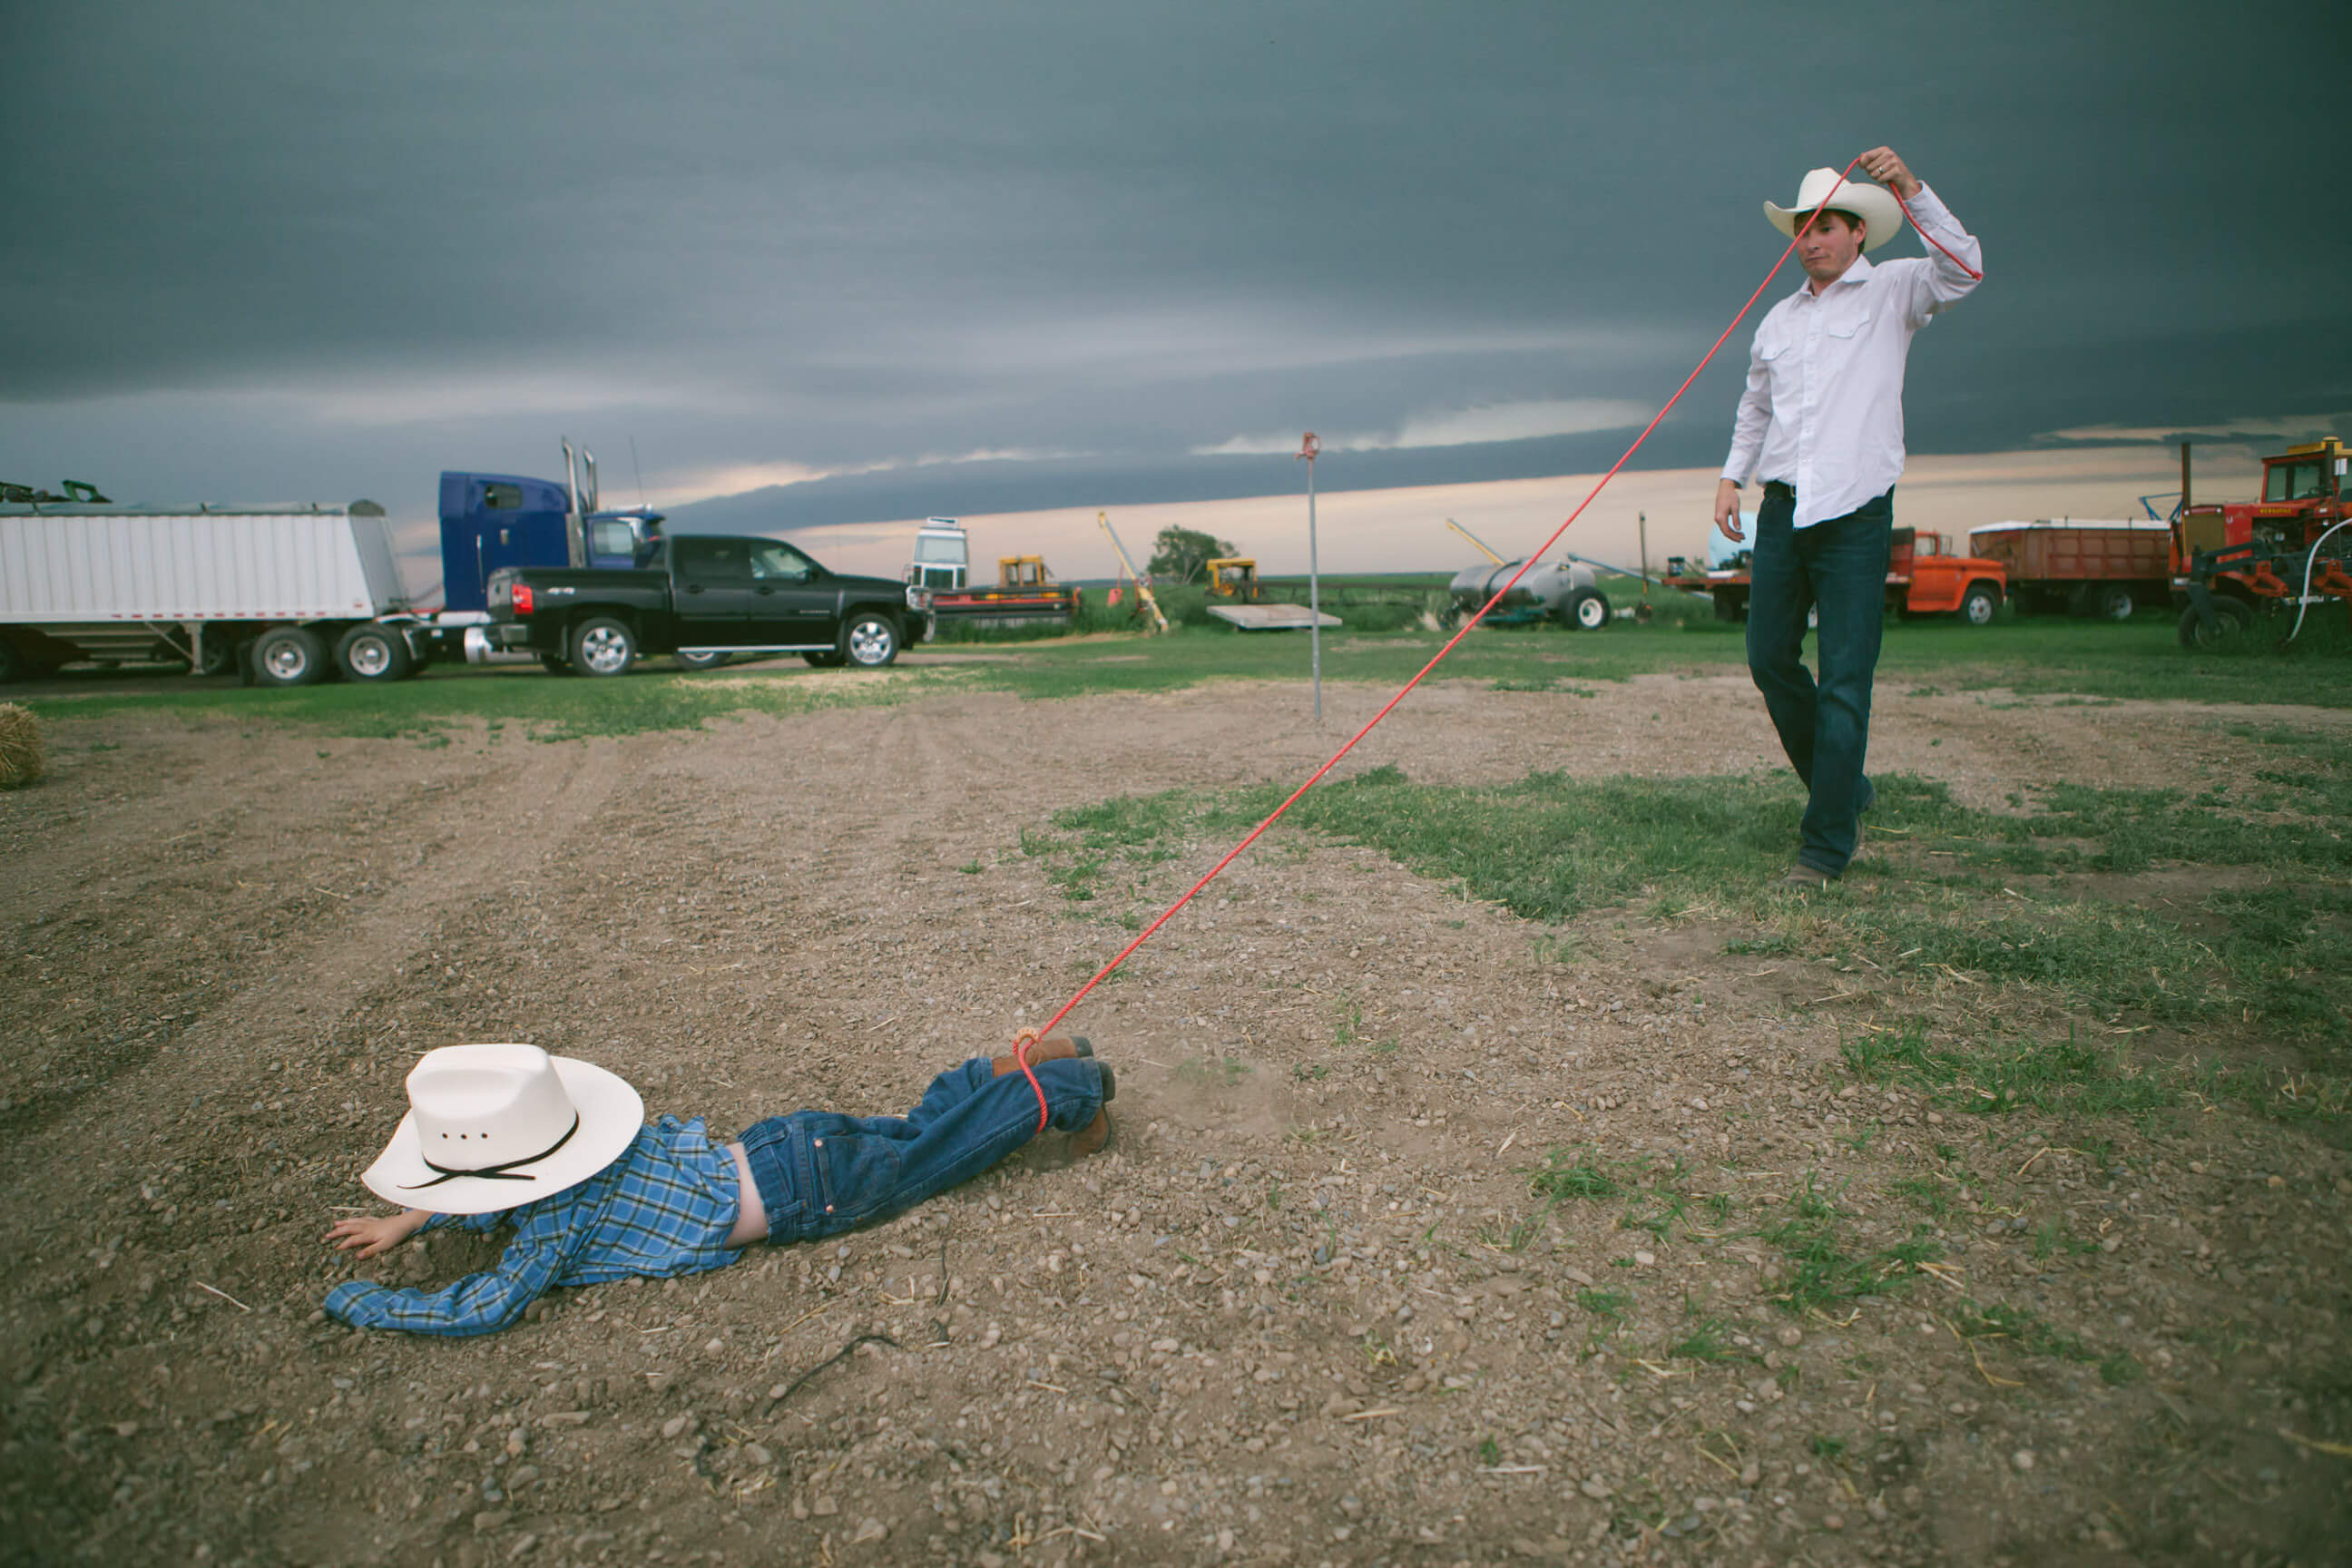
(2237, 563)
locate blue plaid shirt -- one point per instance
(663, 1208)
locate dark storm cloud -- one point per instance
(269, 251)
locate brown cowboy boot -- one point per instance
(1059, 1047)
(1090, 1138)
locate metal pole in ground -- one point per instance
(1307, 447)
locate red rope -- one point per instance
(1021, 1044)
(1315, 777)
(1923, 233)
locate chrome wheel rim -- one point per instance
(371, 656)
(1591, 613)
(869, 642)
(604, 651)
(285, 659)
(1979, 611)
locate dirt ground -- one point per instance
(1283, 1321)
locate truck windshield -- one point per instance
(2295, 482)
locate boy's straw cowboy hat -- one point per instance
(1873, 204)
(494, 1127)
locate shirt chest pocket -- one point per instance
(1843, 333)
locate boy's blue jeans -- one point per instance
(1838, 566)
(820, 1173)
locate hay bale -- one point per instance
(20, 746)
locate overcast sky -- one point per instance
(991, 258)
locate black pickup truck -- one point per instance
(703, 597)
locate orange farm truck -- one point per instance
(2239, 564)
(1921, 579)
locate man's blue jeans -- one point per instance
(1839, 567)
(820, 1173)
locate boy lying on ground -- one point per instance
(560, 1148)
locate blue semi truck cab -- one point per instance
(491, 520)
(494, 522)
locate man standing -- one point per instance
(1821, 423)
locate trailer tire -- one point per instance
(372, 652)
(220, 656)
(700, 660)
(2113, 603)
(869, 639)
(1977, 605)
(603, 647)
(1587, 610)
(13, 665)
(290, 656)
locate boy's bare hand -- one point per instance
(369, 1235)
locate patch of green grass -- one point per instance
(1817, 1268)
(1490, 1453)
(1707, 1341)
(1571, 1173)
(2029, 1331)
(1824, 1447)
(2069, 1078)
(1656, 1210)
(1927, 1191)
(546, 707)
(1548, 848)
(2051, 1237)
(1612, 1305)
(1126, 821)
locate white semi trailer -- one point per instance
(287, 590)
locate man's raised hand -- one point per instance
(1881, 164)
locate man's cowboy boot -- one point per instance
(1060, 1048)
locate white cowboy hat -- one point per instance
(494, 1127)
(1873, 204)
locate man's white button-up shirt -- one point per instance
(1823, 408)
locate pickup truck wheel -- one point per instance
(869, 640)
(700, 661)
(290, 656)
(2114, 602)
(373, 653)
(1977, 605)
(1587, 610)
(831, 658)
(602, 646)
